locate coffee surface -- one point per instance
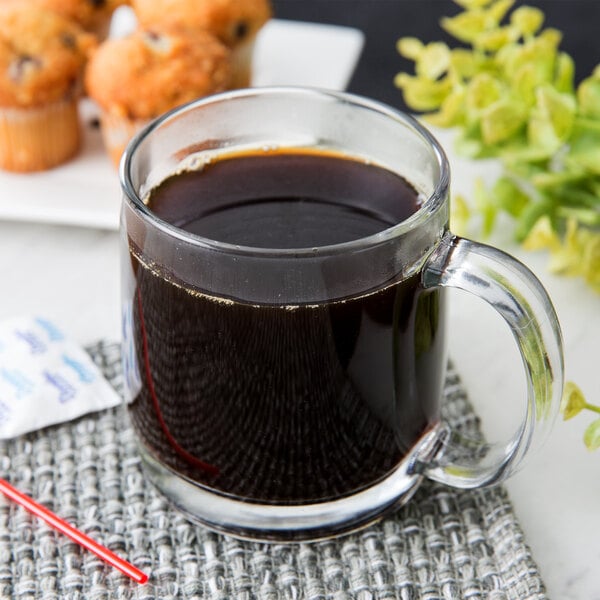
(285, 200)
(275, 403)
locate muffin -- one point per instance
(135, 78)
(42, 58)
(235, 22)
(93, 15)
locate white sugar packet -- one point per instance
(45, 378)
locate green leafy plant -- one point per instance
(509, 91)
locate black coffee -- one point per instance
(276, 403)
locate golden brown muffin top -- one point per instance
(42, 55)
(232, 21)
(90, 14)
(145, 73)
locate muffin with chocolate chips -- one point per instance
(136, 78)
(93, 15)
(235, 22)
(42, 57)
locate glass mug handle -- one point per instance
(514, 291)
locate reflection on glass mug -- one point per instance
(284, 256)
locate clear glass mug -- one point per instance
(249, 417)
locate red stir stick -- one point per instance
(77, 536)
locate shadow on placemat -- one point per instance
(444, 544)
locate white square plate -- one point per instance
(85, 191)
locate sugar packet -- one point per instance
(45, 377)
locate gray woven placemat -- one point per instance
(445, 544)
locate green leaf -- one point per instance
(494, 39)
(502, 120)
(465, 26)
(550, 39)
(470, 4)
(521, 156)
(552, 180)
(509, 196)
(468, 142)
(460, 213)
(423, 94)
(579, 193)
(482, 91)
(433, 61)
(468, 146)
(499, 9)
(583, 216)
(559, 108)
(410, 47)
(591, 258)
(591, 436)
(541, 134)
(572, 402)
(552, 119)
(524, 83)
(451, 112)
(588, 96)
(584, 149)
(464, 64)
(540, 52)
(484, 201)
(530, 216)
(542, 236)
(527, 19)
(579, 255)
(564, 79)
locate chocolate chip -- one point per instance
(157, 42)
(241, 30)
(20, 65)
(68, 40)
(97, 3)
(152, 36)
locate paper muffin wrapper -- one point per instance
(101, 28)
(117, 130)
(39, 138)
(241, 63)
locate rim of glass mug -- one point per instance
(430, 203)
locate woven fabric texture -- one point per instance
(445, 544)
